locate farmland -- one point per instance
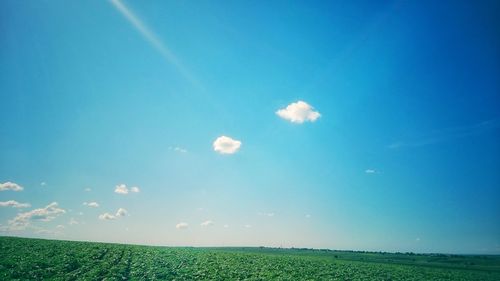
(36, 259)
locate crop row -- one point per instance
(32, 259)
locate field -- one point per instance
(36, 259)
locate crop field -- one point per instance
(36, 259)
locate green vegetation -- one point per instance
(36, 259)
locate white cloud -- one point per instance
(10, 186)
(123, 189)
(178, 149)
(14, 204)
(87, 189)
(43, 183)
(207, 223)
(107, 216)
(247, 226)
(60, 226)
(119, 213)
(181, 225)
(91, 204)
(298, 112)
(226, 226)
(370, 171)
(48, 213)
(72, 221)
(226, 145)
(267, 214)
(308, 216)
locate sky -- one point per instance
(360, 125)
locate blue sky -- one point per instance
(370, 125)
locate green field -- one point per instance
(36, 259)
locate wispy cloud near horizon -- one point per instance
(447, 134)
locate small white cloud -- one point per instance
(72, 221)
(247, 226)
(370, 171)
(121, 189)
(119, 213)
(43, 183)
(91, 204)
(88, 189)
(178, 149)
(80, 213)
(308, 216)
(207, 223)
(10, 186)
(267, 214)
(298, 112)
(226, 145)
(60, 226)
(226, 226)
(45, 214)
(181, 225)
(417, 239)
(14, 204)
(107, 216)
